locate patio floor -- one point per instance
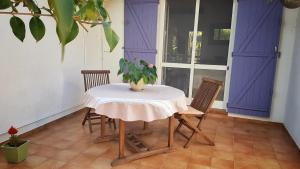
(240, 144)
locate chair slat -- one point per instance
(94, 78)
(206, 93)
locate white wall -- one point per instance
(286, 47)
(34, 83)
(292, 116)
(111, 60)
(36, 87)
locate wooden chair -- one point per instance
(205, 96)
(94, 78)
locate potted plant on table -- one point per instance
(16, 150)
(137, 74)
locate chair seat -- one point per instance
(191, 111)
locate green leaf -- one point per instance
(4, 4)
(98, 3)
(111, 37)
(103, 13)
(146, 81)
(74, 32)
(63, 10)
(37, 28)
(18, 27)
(122, 64)
(88, 11)
(58, 35)
(64, 18)
(101, 9)
(30, 4)
(119, 72)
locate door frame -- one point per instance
(160, 51)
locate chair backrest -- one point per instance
(94, 78)
(206, 94)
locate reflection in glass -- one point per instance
(198, 44)
(213, 74)
(214, 23)
(177, 77)
(179, 25)
(222, 34)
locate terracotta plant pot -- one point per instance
(137, 87)
(15, 154)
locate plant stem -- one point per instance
(80, 23)
(50, 15)
(26, 14)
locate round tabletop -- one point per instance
(119, 102)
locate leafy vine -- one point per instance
(68, 15)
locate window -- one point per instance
(222, 34)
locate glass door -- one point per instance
(197, 36)
(177, 57)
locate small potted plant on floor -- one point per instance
(16, 150)
(137, 74)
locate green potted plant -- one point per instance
(15, 150)
(137, 73)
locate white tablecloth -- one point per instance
(119, 102)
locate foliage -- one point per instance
(68, 14)
(133, 72)
(37, 28)
(18, 27)
(14, 140)
(291, 4)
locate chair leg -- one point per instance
(114, 123)
(109, 122)
(210, 142)
(90, 123)
(85, 117)
(187, 144)
(178, 127)
(202, 134)
(195, 129)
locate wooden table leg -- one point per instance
(103, 137)
(124, 159)
(121, 138)
(171, 132)
(146, 125)
(102, 126)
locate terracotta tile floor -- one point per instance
(240, 144)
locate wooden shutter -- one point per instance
(254, 57)
(140, 29)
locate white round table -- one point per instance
(119, 102)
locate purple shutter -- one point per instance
(254, 57)
(140, 29)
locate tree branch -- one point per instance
(26, 14)
(50, 15)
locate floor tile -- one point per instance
(217, 163)
(239, 144)
(33, 161)
(50, 164)
(65, 155)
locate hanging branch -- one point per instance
(67, 14)
(51, 15)
(26, 14)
